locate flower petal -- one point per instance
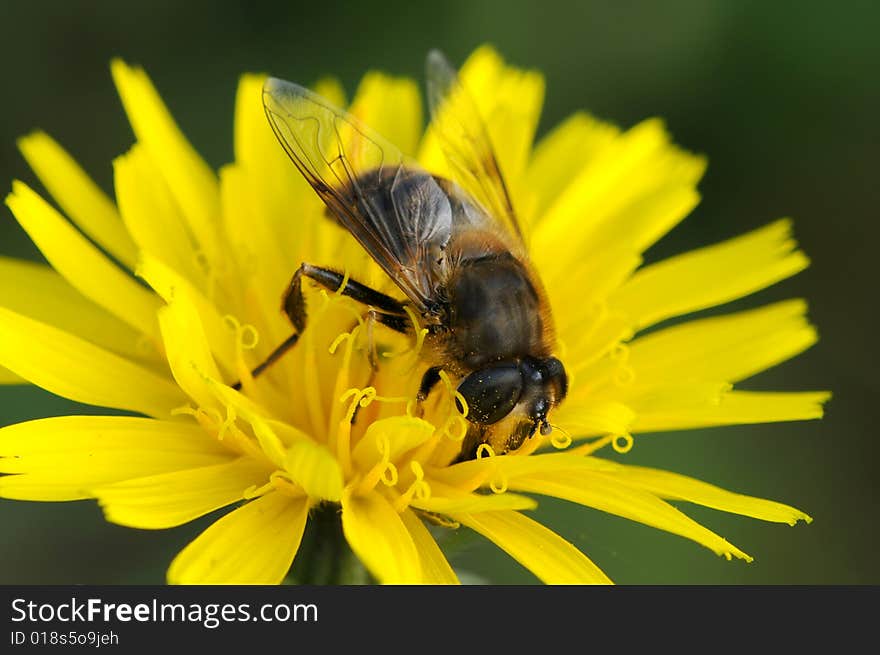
(170, 499)
(435, 566)
(710, 276)
(550, 557)
(166, 281)
(75, 369)
(396, 434)
(679, 487)
(78, 196)
(187, 349)
(89, 271)
(190, 179)
(151, 214)
(61, 458)
(313, 467)
(8, 377)
(677, 408)
(631, 191)
(379, 538)
(731, 347)
(574, 142)
(38, 292)
(473, 503)
(508, 101)
(255, 544)
(392, 107)
(604, 492)
(475, 472)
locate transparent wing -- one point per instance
(456, 121)
(396, 210)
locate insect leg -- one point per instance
(390, 311)
(429, 380)
(293, 303)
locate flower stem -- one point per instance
(324, 556)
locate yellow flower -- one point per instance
(320, 429)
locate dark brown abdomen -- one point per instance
(494, 311)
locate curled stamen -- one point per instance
(340, 339)
(560, 439)
(185, 410)
(422, 489)
(248, 344)
(255, 491)
(355, 394)
(442, 521)
(389, 475)
(283, 483)
(593, 446)
(345, 278)
(498, 484)
(459, 403)
(485, 450)
(383, 470)
(227, 424)
(418, 330)
(419, 488)
(457, 412)
(622, 443)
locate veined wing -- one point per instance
(396, 210)
(465, 142)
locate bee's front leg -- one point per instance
(389, 311)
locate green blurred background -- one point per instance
(784, 98)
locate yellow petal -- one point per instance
(550, 557)
(396, 435)
(595, 418)
(271, 444)
(507, 101)
(675, 409)
(255, 544)
(473, 473)
(731, 347)
(264, 182)
(75, 369)
(38, 292)
(89, 271)
(151, 214)
(629, 192)
(78, 196)
(473, 503)
(557, 157)
(392, 107)
(313, 467)
(61, 458)
(8, 377)
(710, 276)
(186, 346)
(679, 487)
(435, 566)
(165, 281)
(259, 246)
(379, 538)
(604, 492)
(170, 499)
(190, 179)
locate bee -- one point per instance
(453, 246)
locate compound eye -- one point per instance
(491, 392)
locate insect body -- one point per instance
(452, 246)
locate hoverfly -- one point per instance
(452, 246)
